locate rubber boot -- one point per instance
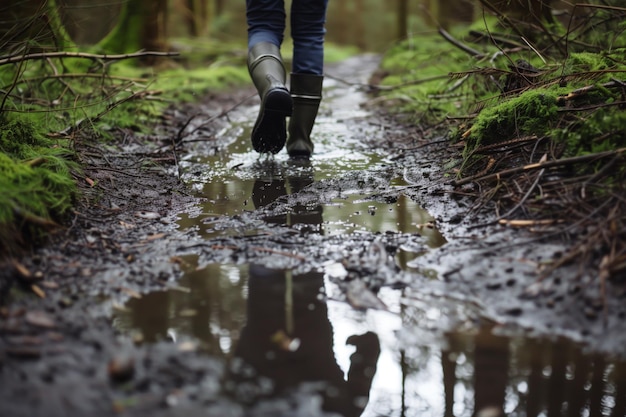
(306, 91)
(268, 74)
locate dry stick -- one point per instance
(67, 131)
(77, 75)
(539, 165)
(570, 226)
(577, 250)
(408, 83)
(45, 55)
(471, 51)
(605, 169)
(520, 141)
(518, 205)
(180, 138)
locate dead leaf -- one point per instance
(37, 290)
(155, 237)
(51, 285)
(126, 225)
(40, 319)
(22, 270)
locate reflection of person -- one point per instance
(289, 339)
(265, 192)
(266, 26)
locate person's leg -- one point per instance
(308, 18)
(266, 24)
(266, 21)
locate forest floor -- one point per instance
(60, 355)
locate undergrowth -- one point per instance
(539, 107)
(67, 97)
(53, 103)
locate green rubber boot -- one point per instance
(267, 71)
(306, 91)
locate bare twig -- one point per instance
(471, 51)
(539, 165)
(96, 57)
(503, 217)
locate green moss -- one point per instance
(35, 179)
(531, 113)
(184, 84)
(587, 61)
(601, 131)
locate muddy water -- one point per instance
(436, 358)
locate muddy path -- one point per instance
(209, 280)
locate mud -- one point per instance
(179, 260)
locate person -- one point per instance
(288, 338)
(266, 21)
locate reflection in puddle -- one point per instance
(277, 329)
(282, 326)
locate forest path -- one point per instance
(156, 288)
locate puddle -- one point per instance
(273, 317)
(266, 316)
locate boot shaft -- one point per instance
(306, 91)
(268, 75)
(266, 67)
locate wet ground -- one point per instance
(264, 286)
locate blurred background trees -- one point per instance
(120, 26)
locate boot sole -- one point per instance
(270, 130)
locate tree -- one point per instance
(444, 13)
(402, 20)
(198, 16)
(142, 26)
(31, 26)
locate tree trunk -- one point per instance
(142, 26)
(197, 16)
(32, 26)
(445, 13)
(532, 11)
(403, 19)
(219, 7)
(359, 27)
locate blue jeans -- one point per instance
(266, 23)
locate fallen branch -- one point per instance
(539, 165)
(104, 57)
(471, 51)
(80, 76)
(503, 218)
